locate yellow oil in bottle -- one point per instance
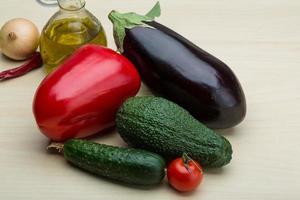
(62, 37)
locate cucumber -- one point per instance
(161, 126)
(127, 165)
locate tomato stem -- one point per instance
(186, 159)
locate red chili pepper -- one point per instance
(34, 62)
(81, 97)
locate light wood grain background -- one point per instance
(258, 39)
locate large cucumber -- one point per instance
(163, 127)
(127, 165)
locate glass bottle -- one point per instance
(48, 2)
(68, 29)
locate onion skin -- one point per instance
(19, 39)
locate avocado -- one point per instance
(161, 126)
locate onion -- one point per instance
(19, 39)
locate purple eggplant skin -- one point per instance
(175, 68)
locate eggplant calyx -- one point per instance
(123, 21)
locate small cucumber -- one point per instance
(132, 166)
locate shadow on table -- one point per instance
(227, 132)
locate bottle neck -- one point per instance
(71, 5)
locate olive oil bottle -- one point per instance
(69, 28)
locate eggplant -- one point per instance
(175, 68)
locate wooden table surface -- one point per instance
(258, 39)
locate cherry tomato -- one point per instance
(184, 174)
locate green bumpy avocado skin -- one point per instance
(161, 126)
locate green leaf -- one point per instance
(135, 19)
(130, 20)
(119, 35)
(155, 11)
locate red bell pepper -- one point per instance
(82, 96)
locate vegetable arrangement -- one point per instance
(94, 89)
